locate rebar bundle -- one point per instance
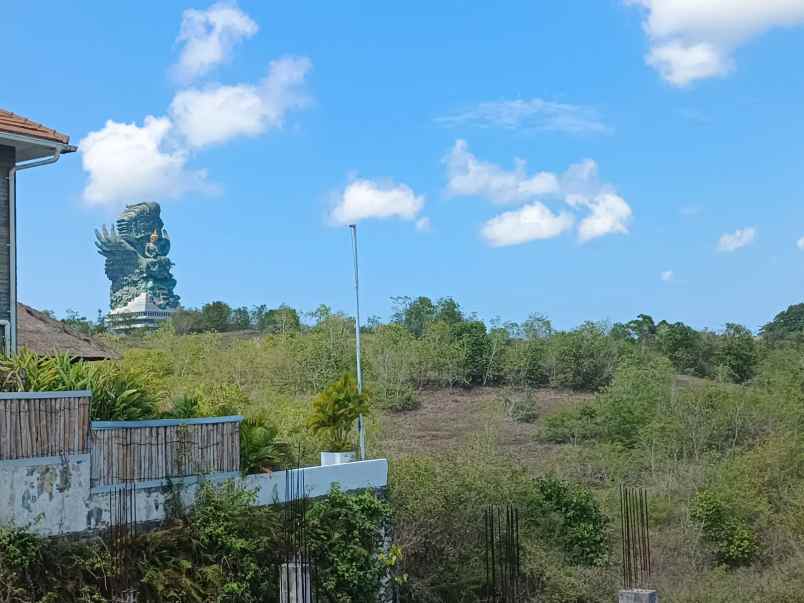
(637, 562)
(122, 531)
(501, 528)
(297, 573)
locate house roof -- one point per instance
(17, 124)
(32, 140)
(42, 334)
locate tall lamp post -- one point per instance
(361, 428)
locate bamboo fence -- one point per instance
(140, 451)
(43, 424)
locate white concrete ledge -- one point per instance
(318, 481)
(219, 476)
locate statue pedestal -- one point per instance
(140, 313)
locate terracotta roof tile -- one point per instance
(16, 124)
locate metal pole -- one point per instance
(361, 432)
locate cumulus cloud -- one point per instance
(128, 162)
(739, 238)
(529, 223)
(219, 113)
(609, 214)
(800, 243)
(364, 199)
(681, 63)
(423, 224)
(603, 211)
(207, 38)
(666, 276)
(532, 114)
(467, 176)
(693, 39)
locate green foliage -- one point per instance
(19, 549)
(260, 448)
(640, 388)
(117, 393)
(684, 346)
(346, 534)
(737, 352)
(786, 325)
(438, 503)
(335, 411)
(583, 359)
(216, 316)
(572, 516)
(733, 541)
(472, 339)
(281, 320)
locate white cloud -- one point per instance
(423, 224)
(610, 214)
(695, 39)
(468, 176)
(800, 243)
(219, 113)
(734, 241)
(666, 276)
(532, 114)
(363, 199)
(127, 162)
(208, 37)
(681, 63)
(579, 187)
(528, 223)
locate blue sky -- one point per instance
(584, 160)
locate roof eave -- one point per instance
(34, 147)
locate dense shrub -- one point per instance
(347, 534)
(583, 359)
(117, 393)
(438, 504)
(731, 538)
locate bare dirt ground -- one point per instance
(447, 419)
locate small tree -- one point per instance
(334, 412)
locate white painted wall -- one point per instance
(52, 496)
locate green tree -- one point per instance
(471, 336)
(447, 310)
(738, 352)
(240, 319)
(216, 316)
(281, 320)
(683, 345)
(584, 358)
(788, 324)
(414, 314)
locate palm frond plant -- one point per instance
(335, 411)
(260, 450)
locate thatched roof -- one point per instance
(42, 334)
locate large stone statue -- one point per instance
(136, 258)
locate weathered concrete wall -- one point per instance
(47, 495)
(52, 496)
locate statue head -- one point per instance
(141, 224)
